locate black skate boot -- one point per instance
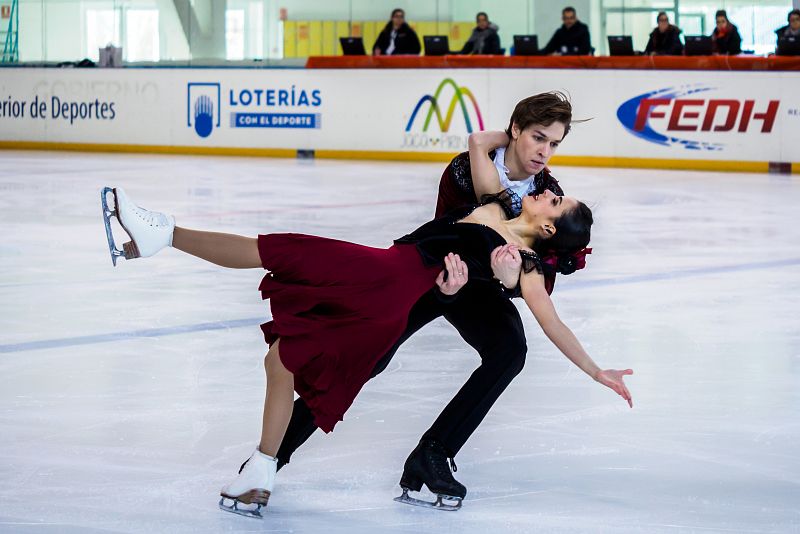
(428, 464)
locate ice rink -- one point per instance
(130, 395)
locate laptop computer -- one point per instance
(620, 45)
(436, 45)
(526, 45)
(352, 46)
(788, 46)
(698, 45)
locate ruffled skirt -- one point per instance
(337, 308)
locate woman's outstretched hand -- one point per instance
(613, 379)
(457, 275)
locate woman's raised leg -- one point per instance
(151, 231)
(227, 250)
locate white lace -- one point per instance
(152, 218)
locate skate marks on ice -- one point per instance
(151, 426)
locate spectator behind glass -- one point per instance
(397, 37)
(726, 38)
(484, 38)
(665, 40)
(793, 28)
(572, 38)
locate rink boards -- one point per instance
(747, 121)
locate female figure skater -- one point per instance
(337, 306)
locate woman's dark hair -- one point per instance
(793, 12)
(481, 13)
(573, 232)
(544, 109)
(722, 13)
(662, 14)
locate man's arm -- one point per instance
(493, 44)
(677, 47)
(553, 44)
(650, 48)
(585, 47)
(485, 179)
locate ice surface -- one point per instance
(130, 395)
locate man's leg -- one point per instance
(491, 324)
(301, 425)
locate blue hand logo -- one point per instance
(203, 116)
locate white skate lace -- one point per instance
(152, 218)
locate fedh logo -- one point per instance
(461, 99)
(683, 109)
(202, 107)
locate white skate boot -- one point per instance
(150, 231)
(252, 486)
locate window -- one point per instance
(141, 29)
(757, 25)
(234, 34)
(102, 28)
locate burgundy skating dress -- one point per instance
(337, 307)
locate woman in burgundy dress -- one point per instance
(338, 306)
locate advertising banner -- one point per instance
(687, 115)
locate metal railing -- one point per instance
(11, 40)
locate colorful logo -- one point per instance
(693, 114)
(446, 121)
(203, 107)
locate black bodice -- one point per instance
(473, 242)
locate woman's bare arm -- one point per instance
(537, 299)
(485, 179)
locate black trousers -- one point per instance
(491, 324)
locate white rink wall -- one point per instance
(690, 119)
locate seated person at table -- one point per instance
(397, 37)
(665, 40)
(484, 38)
(726, 38)
(792, 29)
(571, 39)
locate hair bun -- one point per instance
(567, 264)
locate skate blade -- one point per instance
(130, 250)
(246, 512)
(440, 503)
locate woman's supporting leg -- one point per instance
(256, 478)
(227, 250)
(278, 403)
